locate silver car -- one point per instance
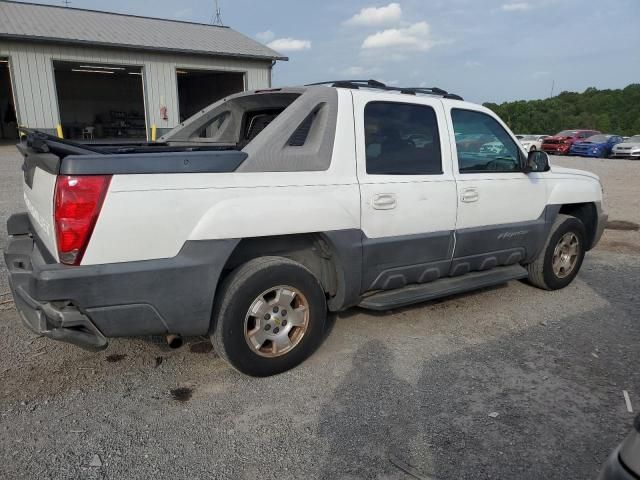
(628, 149)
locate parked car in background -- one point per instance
(596, 146)
(627, 149)
(532, 142)
(492, 148)
(472, 142)
(560, 143)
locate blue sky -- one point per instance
(484, 50)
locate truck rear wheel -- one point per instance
(269, 316)
(561, 258)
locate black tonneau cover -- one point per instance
(63, 157)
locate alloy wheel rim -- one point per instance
(276, 321)
(565, 255)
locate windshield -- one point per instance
(634, 139)
(567, 133)
(529, 138)
(598, 138)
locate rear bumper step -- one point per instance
(442, 288)
(65, 323)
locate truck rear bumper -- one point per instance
(64, 322)
(87, 304)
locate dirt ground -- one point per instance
(508, 382)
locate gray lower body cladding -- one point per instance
(603, 218)
(484, 248)
(85, 305)
(394, 262)
(153, 297)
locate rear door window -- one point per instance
(401, 139)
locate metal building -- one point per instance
(108, 75)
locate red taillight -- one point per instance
(78, 201)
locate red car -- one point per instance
(560, 144)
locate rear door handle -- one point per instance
(384, 201)
(469, 195)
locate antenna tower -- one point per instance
(217, 16)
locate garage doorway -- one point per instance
(8, 119)
(99, 101)
(198, 89)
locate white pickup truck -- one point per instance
(257, 216)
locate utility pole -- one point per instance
(66, 3)
(553, 85)
(217, 16)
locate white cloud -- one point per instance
(415, 37)
(289, 44)
(265, 36)
(376, 15)
(516, 7)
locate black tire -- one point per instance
(541, 273)
(236, 295)
(532, 148)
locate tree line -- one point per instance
(609, 111)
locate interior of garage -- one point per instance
(100, 101)
(200, 88)
(8, 121)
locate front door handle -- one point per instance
(470, 195)
(384, 201)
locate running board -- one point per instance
(442, 288)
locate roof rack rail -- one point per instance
(357, 84)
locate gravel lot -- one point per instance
(413, 389)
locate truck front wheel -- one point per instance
(269, 316)
(559, 261)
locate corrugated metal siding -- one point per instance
(57, 23)
(34, 85)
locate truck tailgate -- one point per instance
(39, 183)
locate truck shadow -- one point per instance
(544, 402)
(365, 422)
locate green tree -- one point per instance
(610, 111)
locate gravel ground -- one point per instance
(508, 382)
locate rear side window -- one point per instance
(401, 139)
(482, 144)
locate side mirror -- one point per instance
(536, 161)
